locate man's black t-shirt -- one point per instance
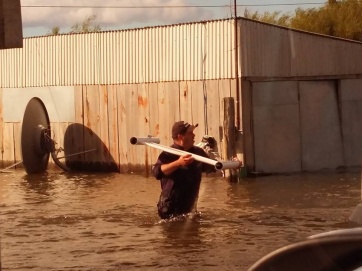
(180, 189)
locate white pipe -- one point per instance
(142, 140)
(217, 164)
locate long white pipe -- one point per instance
(153, 142)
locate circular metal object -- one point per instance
(33, 136)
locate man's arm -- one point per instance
(184, 160)
(161, 168)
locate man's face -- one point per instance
(188, 140)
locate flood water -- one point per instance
(95, 222)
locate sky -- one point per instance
(122, 14)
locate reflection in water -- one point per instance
(63, 221)
(41, 184)
(183, 232)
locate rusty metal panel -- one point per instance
(273, 51)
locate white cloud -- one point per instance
(110, 18)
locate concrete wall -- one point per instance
(351, 111)
(59, 102)
(276, 126)
(320, 125)
(305, 125)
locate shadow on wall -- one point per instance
(85, 151)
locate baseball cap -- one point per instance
(181, 127)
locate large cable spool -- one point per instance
(36, 141)
(33, 137)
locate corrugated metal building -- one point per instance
(295, 92)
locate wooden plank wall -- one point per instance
(198, 107)
(58, 130)
(8, 144)
(154, 122)
(106, 117)
(122, 128)
(113, 125)
(144, 116)
(132, 121)
(1, 130)
(17, 140)
(105, 156)
(74, 133)
(91, 104)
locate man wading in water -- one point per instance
(180, 175)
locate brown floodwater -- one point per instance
(61, 221)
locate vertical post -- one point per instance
(11, 29)
(229, 135)
(236, 63)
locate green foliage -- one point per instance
(273, 18)
(336, 18)
(87, 26)
(54, 31)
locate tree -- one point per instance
(87, 26)
(273, 18)
(54, 31)
(341, 19)
(334, 18)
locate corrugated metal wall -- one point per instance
(195, 51)
(185, 52)
(272, 51)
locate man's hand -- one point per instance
(185, 160)
(240, 162)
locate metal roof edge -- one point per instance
(203, 22)
(300, 31)
(136, 28)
